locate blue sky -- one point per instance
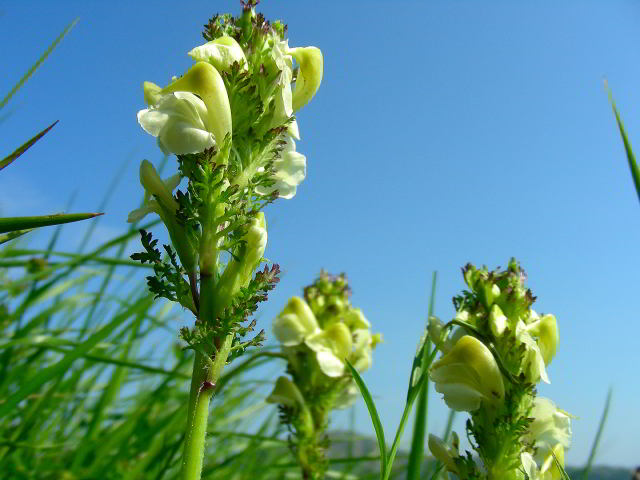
(443, 132)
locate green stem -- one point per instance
(203, 386)
(207, 369)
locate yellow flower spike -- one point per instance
(310, 75)
(221, 53)
(205, 81)
(151, 93)
(468, 375)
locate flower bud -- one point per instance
(309, 77)
(204, 80)
(153, 184)
(286, 393)
(497, 321)
(355, 319)
(239, 271)
(221, 53)
(468, 375)
(443, 452)
(165, 206)
(295, 323)
(532, 362)
(546, 329)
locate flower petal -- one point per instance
(330, 365)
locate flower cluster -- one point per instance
(493, 353)
(230, 120)
(318, 334)
(239, 85)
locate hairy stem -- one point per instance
(207, 368)
(203, 386)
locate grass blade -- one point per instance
(35, 66)
(596, 440)
(375, 418)
(24, 147)
(32, 384)
(20, 223)
(420, 426)
(7, 237)
(633, 165)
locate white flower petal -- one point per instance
(290, 171)
(179, 121)
(330, 365)
(460, 397)
(182, 138)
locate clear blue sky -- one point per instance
(444, 132)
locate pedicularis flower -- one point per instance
(318, 334)
(468, 375)
(344, 334)
(493, 353)
(239, 85)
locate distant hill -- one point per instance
(344, 445)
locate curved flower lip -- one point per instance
(290, 170)
(468, 375)
(179, 122)
(221, 53)
(205, 81)
(310, 75)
